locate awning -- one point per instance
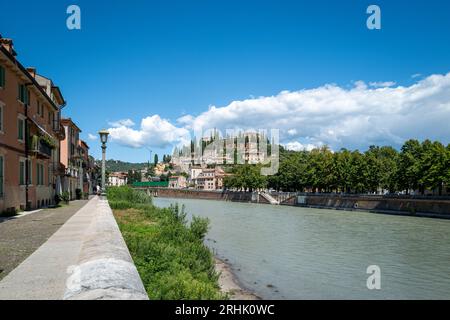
(40, 127)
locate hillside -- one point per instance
(117, 165)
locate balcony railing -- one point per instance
(40, 147)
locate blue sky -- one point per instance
(137, 59)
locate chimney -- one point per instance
(32, 71)
(8, 45)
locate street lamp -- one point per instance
(103, 138)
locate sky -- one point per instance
(153, 71)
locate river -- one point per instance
(282, 252)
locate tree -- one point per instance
(409, 165)
(247, 178)
(155, 159)
(389, 159)
(433, 165)
(134, 176)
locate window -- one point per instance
(23, 94)
(21, 128)
(39, 174)
(1, 116)
(2, 77)
(22, 172)
(22, 168)
(1, 176)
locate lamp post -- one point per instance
(103, 138)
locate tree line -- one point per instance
(416, 166)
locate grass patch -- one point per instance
(169, 253)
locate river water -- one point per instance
(281, 252)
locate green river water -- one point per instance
(282, 252)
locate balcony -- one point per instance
(40, 148)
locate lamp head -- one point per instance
(103, 136)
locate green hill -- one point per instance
(117, 165)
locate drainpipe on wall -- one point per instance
(27, 151)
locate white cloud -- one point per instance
(382, 84)
(121, 123)
(340, 117)
(92, 136)
(297, 146)
(154, 132)
(337, 116)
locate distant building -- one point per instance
(177, 182)
(117, 179)
(209, 179)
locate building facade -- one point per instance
(209, 179)
(71, 158)
(30, 132)
(118, 179)
(87, 166)
(177, 182)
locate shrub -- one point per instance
(120, 204)
(127, 193)
(65, 196)
(78, 193)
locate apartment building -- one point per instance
(177, 182)
(71, 158)
(30, 132)
(118, 179)
(209, 179)
(86, 183)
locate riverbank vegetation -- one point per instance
(169, 252)
(417, 166)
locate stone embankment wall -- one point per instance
(381, 204)
(409, 206)
(105, 269)
(200, 194)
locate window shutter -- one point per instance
(1, 176)
(20, 129)
(2, 77)
(22, 173)
(30, 180)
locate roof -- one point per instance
(82, 142)
(68, 121)
(16, 62)
(118, 174)
(154, 184)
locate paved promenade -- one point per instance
(20, 236)
(85, 259)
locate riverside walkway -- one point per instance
(85, 259)
(23, 234)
